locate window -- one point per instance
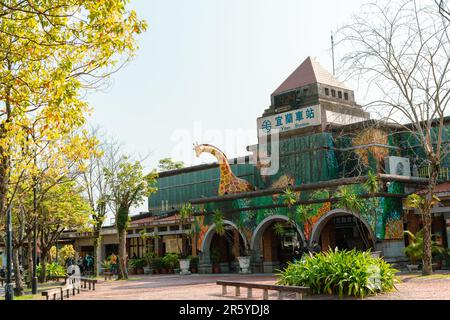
(333, 93)
(305, 92)
(345, 95)
(340, 94)
(327, 91)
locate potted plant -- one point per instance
(187, 213)
(157, 265)
(194, 263)
(171, 261)
(244, 256)
(106, 266)
(137, 266)
(415, 250)
(148, 258)
(215, 259)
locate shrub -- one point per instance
(158, 263)
(415, 249)
(170, 260)
(353, 273)
(148, 258)
(194, 261)
(53, 270)
(137, 263)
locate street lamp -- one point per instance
(35, 231)
(9, 293)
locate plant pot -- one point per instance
(412, 267)
(216, 269)
(184, 266)
(139, 270)
(194, 269)
(163, 271)
(376, 254)
(244, 264)
(148, 270)
(156, 271)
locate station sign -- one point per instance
(294, 119)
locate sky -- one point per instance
(205, 70)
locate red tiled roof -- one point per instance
(310, 71)
(156, 219)
(440, 188)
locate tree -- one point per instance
(168, 164)
(96, 187)
(63, 208)
(51, 51)
(129, 187)
(402, 51)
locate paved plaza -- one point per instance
(203, 287)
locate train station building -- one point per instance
(314, 140)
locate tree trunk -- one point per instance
(97, 253)
(122, 225)
(30, 260)
(427, 218)
(427, 255)
(123, 274)
(43, 263)
(18, 290)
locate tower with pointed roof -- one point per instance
(311, 85)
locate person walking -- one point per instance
(113, 260)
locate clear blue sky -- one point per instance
(211, 65)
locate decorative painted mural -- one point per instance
(383, 215)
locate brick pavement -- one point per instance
(203, 287)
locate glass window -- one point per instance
(340, 94)
(333, 93)
(345, 95)
(327, 91)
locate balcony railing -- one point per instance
(444, 173)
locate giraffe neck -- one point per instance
(224, 166)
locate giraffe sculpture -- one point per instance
(229, 183)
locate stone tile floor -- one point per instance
(203, 287)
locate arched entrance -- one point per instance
(275, 242)
(219, 251)
(344, 230)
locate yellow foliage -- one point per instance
(371, 136)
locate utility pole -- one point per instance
(9, 293)
(332, 53)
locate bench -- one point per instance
(71, 289)
(299, 291)
(88, 282)
(53, 293)
(108, 275)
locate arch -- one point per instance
(206, 244)
(259, 231)
(320, 224)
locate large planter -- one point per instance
(376, 254)
(148, 270)
(412, 267)
(184, 266)
(244, 264)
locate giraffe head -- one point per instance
(198, 150)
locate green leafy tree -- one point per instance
(128, 186)
(168, 164)
(52, 52)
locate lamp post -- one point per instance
(9, 293)
(35, 231)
